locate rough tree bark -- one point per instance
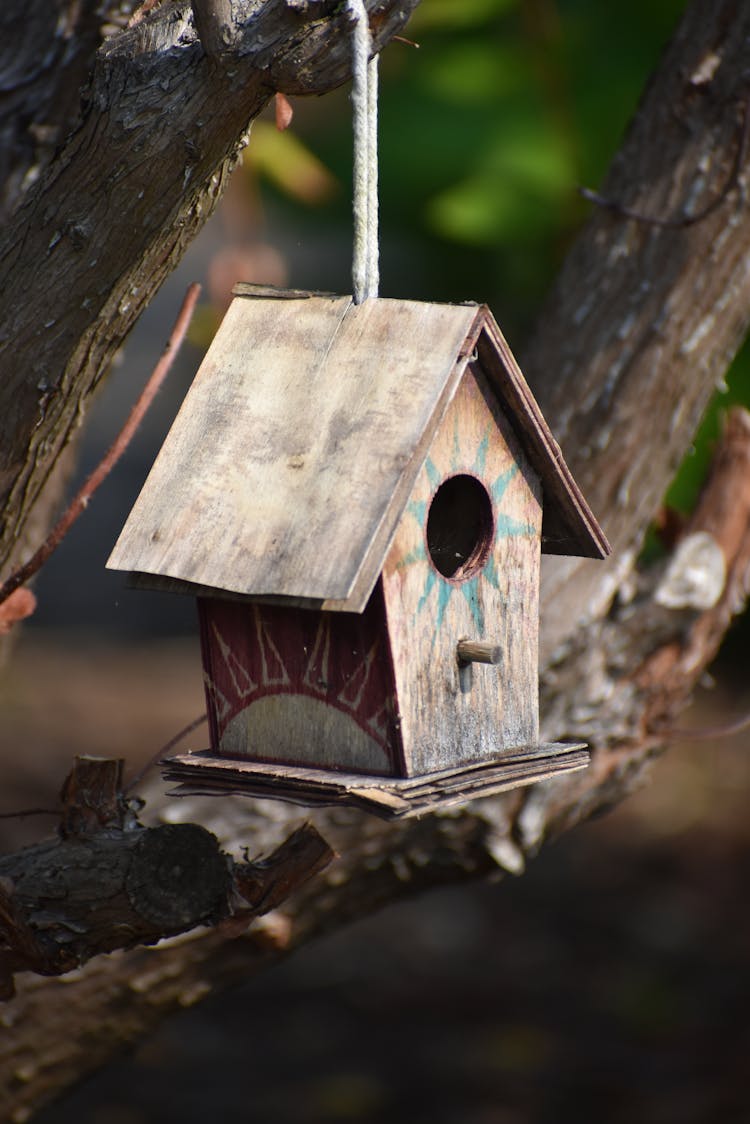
(107, 882)
(644, 319)
(141, 169)
(627, 353)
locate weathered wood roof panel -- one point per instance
(288, 465)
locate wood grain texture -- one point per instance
(443, 725)
(300, 687)
(63, 901)
(249, 497)
(284, 469)
(478, 651)
(107, 882)
(45, 53)
(391, 798)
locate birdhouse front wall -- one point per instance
(464, 565)
(301, 687)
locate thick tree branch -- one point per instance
(82, 498)
(108, 883)
(160, 128)
(216, 26)
(45, 55)
(643, 321)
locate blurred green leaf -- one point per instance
(515, 195)
(449, 15)
(473, 73)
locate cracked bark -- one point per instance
(643, 320)
(139, 172)
(637, 332)
(106, 882)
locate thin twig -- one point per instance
(165, 749)
(30, 812)
(688, 220)
(135, 780)
(705, 733)
(100, 473)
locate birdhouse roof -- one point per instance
(293, 456)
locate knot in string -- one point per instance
(365, 268)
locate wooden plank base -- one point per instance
(390, 798)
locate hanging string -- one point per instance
(373, 242)
(365, 267)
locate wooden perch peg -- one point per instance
(478, 651)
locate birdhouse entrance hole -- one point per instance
(460, 527)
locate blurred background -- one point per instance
(611, 982)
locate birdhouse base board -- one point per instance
(391, 798)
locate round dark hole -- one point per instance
(459, 527)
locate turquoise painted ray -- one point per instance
(490, 572)
(432, 473)
(418, 508)
(481, 458)
(428, 584)
(445, 589)
(507, 527)
(470, 590)
(417, 555)
(499, 486)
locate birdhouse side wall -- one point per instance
(300, 687)
(453, 715)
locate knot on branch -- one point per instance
(108, 882)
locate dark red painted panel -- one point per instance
(252, 651)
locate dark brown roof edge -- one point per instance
(568, 524)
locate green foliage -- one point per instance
(447, 15)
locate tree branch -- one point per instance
(216, 27)
(643, 321)
(80, 501)
(45, 55)
(627, 679)
(160, 128)
(108, 883)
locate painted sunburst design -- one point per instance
(314, 676)
(281, 684)
(505, 526)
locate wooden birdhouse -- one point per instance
(359, 496)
